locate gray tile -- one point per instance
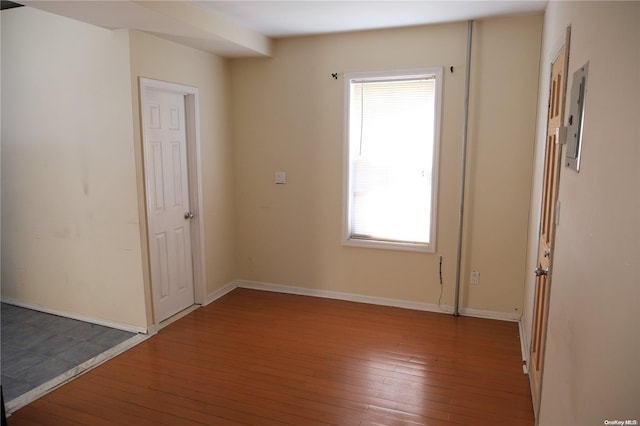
(18, 336)
(54, 345)
(45, 371)
(10, 313)
(27, 340)
(17, 329)
(9, 328)
(13, 388)
(111, 338)
(62, 324)
(85, 331)
(80, 353)
(37, 347)
(11, 355)
(27, 362)
(39, 319)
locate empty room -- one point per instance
(309, 212)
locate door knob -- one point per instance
(188, 215)
(541, 272)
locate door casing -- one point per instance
(192, 119)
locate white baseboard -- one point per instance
(255, 285)
(406, 304)
(98, 321)
(523, 347)
(481, 313)
(220, 292)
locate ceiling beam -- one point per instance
(173, 20)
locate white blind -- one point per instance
(391, 138)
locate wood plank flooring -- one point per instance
(262, 358)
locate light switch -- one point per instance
(281, 177)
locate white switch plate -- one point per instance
(281, 177)
(475, 277)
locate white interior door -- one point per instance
(169, 212)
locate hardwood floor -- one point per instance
(262, 358)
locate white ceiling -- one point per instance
(237, 28)
(303, 17)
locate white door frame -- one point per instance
(194, 170)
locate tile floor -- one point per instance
(37, 347)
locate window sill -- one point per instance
(388, 245)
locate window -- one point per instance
(391, 147)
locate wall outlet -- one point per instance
(475, 278)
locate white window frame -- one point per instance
(347, 238)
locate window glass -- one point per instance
(391, 145)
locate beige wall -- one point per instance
(593, 346)
(287, 115)
(504, 85)
(73, 221)
(70, 228)
(152, 57)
